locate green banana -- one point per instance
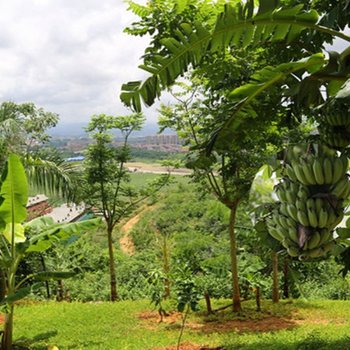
(298, 171)
(340, 187)
(311, 214)
(291, 197)
(322, 218)
(300, 205)
(283, 222)
(293, 235)
(317, 168)
(302, 218)
(293, 252)
(292, 212)
(337, 170)
(308, 172)
(290, 172)
(283, 209)
(281, 194)
(328, 171)
(275, 234)
(314, 241)
(318, 204)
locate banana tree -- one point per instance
(18, 239)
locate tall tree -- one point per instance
(229, 171)
(107, 179)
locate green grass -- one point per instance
(301, 326)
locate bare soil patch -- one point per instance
(126, 243)
(190, 346)
(266, 324)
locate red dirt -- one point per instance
(190, 346)
(126, 242)
(267, 324)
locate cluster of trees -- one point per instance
(103, 186)
(235, 111)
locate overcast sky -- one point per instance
(68, 56)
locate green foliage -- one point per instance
(239, 25)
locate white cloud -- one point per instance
(69, 57)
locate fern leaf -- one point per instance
(139, 10)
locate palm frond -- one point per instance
(241, 25)
(49, 177)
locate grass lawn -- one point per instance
(131, 325)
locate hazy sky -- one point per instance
(68, 56)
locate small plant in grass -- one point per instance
(158, 296)
(188, 295)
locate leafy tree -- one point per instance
(244, 26)
(228, 172)
(107, 179)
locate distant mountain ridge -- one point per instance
(77, 130)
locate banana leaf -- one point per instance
(14, 197)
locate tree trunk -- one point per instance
(2, 284)
(275, 287)
(236, 299)
(60, 290)
(285, 279)
(114, 295)
(257, 299)
(47, 285)
(208, 302)
(166, 267)
(6, 341)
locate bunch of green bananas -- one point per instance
(335, 136)
(317, 166)
(334, 119)
(317, 243)
(311, 198)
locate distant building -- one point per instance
(39, 206)
(67, 213)
(75, 159)
(163, 140)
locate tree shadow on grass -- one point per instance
(312, 342)
(36, 343)
(26, 343)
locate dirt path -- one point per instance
(126, 243)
